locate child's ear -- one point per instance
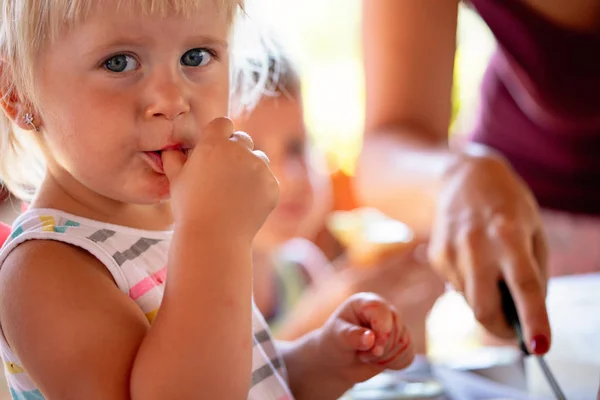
(13, 105)
(17, 111)
(9, 102)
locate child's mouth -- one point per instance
(154, 158)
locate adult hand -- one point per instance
(487, 228)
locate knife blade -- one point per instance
(512, 317)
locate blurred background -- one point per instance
(324, 39)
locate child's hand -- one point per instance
(362, 338)
(223, 188)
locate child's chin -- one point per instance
(160, 189)
(150, 195)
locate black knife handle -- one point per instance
(511, 315)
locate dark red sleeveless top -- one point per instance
(541, 104)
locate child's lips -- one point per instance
(154, 158)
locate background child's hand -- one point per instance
(362, 338)
(222, 183)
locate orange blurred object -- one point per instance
(369, 235)
(343, 191)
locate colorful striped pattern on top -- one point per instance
(137, 261)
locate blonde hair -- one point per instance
(26, 25)
(268, 72)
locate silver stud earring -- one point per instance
(28, 120)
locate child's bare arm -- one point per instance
(75, 332)
(78, 336)
(221, 194)
(306, 379)
(364, 336)
(202, 336)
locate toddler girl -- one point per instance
(144, 180)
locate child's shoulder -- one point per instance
(41, 236)
(129, 256)
(36, 263)
(38, 277)
(112, 244)
(44, 242)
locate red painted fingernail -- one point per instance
(540, 345)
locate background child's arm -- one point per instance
(364, 336)
(301, 362)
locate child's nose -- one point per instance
(166, 98)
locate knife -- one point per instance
(512, 317)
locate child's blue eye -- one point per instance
(121, 63)
(196, 58)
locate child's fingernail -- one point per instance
(365, 340)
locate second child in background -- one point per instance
(295, 285)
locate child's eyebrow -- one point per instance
(119, 41)
(207, 40)
(141, 41)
